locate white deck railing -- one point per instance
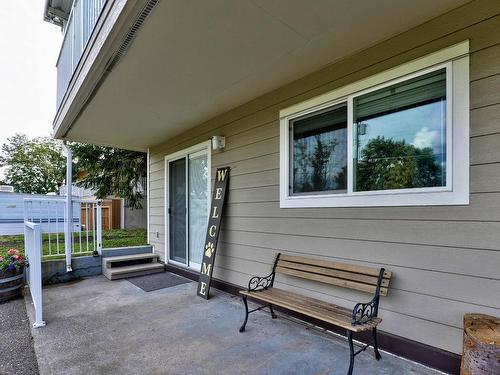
(51, 214)
(82, 19)
(33, 252)
(46, 234)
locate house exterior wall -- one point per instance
(445, 259)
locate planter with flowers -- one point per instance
(11, 274)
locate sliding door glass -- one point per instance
(177, 210)
(188, 207)
(198, 206)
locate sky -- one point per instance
(28, 54)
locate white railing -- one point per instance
(82, 19)
(51, 215)
(47, 234)
(33, 252)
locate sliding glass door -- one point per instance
(188, 199)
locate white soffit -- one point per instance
(193, 60)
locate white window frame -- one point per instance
(456, 192)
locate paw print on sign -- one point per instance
(209, 249)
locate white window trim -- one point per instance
(456, 192)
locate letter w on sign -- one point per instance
(214, 221)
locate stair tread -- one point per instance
(135, 267)
(122, 258)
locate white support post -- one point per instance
(99, 227)
(36, 281)
(122, 213)
(33, 270)
(68, 224)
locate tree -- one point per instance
(389, 164)
(110, 171)
(311, 165)
(319, 162)
(35, 166)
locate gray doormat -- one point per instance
(157, 281)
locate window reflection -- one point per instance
(319, 152)
(400, 135)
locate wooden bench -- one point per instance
(362, 317)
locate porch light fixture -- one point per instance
(218, 142)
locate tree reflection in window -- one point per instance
(400, 135)
(391, 164)
(319, 154)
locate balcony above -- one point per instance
(153, 69)
(57, 11)
(77, 27)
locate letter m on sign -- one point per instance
(213, 228)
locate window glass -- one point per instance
(400, 135)
(319, 152)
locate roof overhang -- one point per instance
(191, 61)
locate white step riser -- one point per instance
(109, 261)
(112, 269)
(133, 274)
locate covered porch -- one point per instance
(114, 327)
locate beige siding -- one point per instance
(445, 260)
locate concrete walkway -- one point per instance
(17, 355)
(97, 326)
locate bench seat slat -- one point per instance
(335, 265)
(357, 277)
(313, 302)
(331, 280)
(315, 308)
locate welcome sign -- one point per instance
(212, 238)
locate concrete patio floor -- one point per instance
(96, 326)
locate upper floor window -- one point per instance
(397, 138)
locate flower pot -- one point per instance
(11, 283)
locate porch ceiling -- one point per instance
(193, 60)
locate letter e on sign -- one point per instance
(203, 287)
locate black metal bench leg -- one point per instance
(351, 349)
(375, 344)
(242, 328)
(273, 315)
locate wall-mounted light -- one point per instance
(218, 142)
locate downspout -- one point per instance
(68, 223)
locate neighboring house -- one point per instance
(13, 211)
(360, 131)
(116, 213)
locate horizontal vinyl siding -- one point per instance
(445, 259)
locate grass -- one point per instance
(110, 238)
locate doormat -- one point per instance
(157, 281)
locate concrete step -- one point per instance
(109, 262)
(134, 270)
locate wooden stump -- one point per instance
(481, 354)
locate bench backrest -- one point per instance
(340, 274)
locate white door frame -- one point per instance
(204, 146)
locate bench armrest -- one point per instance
(260, 283)
(364, 312)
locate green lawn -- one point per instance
(110, 238)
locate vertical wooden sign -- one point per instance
(214, 221)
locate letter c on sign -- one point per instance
(211, 231)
